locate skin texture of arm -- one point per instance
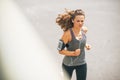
(66, 38)
(87, 46)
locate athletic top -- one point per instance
(72, 46)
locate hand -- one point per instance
(77, 52)
(88, 47)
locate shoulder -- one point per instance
(84, 29)
(67, 33)
(66, 36)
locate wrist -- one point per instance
(72, 53)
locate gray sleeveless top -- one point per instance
(73, 45)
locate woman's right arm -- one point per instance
(66, 38)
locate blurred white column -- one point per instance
(24, 55)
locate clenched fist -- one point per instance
(77, 52)
(88, 47)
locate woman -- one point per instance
(72, 43)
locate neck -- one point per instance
(76, 30)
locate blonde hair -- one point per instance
(64, 20)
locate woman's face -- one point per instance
(78, 21)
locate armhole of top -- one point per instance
(83, 33)
(71, 33)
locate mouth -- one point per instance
(80, 26)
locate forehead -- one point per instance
(79, 17)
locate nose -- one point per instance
(80, 23)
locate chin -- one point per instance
(80, 26)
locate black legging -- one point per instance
(81, 71)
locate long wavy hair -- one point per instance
(64, 20)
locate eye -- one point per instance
(82, 20)
(78, 20)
